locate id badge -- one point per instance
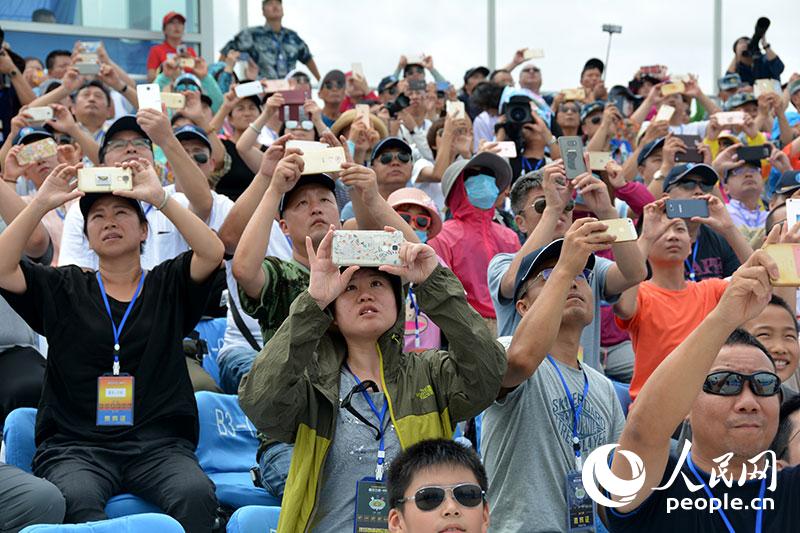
(115, 400)
(580, 507)
(372, 507)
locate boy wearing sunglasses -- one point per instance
(437, 485)
(724, 381)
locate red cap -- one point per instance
(172, 15)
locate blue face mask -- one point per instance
(422, 235)
(482, 191)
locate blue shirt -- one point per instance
(276, 54)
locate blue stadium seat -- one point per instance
(142, 523)
(227, 450)
(212, 331)
(254, 519)
(18, 439)
(624, 395)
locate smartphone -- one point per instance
(455, 109)
(598, 160)
(665, 112)
(676, 87)
(274, 86)
(104, 179)
(753, 153)
(186, 62)
(507, 149)
(182, 49)
(415, 59)
(366, 248)
(149, 95)
(325, 160)
(36, 151)
(623, 228)
(88, 47)
(173, 100)
(692, 154)
(766, 86)
(88, 69)
(687, 208)
(362, 113)
(294, 97)
(679, 78)
(792, 211)
(40, 114)
(358, 71)
(730, 118)
(787, 257)
(652, 69)
(574, 94)
(251, 88)
(306, 146)
(532, 53)
(416, 85)
(572, 154)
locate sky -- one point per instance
(676, 33)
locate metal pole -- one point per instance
(608, 53)
(717, 43)
(242, 14)
(491, 52)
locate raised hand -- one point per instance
(287, 171)
(146, 185)
(418, 261)
(272, 156)
(748, 292)
(59, 187)
(326, 282)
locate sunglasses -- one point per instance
(418, 221)
(429, 498)
(333, 85)
(387, 157)
(530, 69)
(200, 157)
(585, 275)
(568, 109)
(728, 383)
(295, 124)
(415, 70)
(391, 90)
(122, 144)
(540, 204)
(596, 120)
(63, 139)
(690, 185)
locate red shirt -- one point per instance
(158, 54)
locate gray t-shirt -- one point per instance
(13, 330)
(526, 444)
(352, 456)
(508, 319)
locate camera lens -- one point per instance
(395, 247)
(517, 114)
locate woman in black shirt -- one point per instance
(117, 412)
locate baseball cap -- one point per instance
(701, 170)
(729, 81)
(390, 142)
(187, 78)
(89, 199)
(414, 196)
(793, 87)
(648, 149)
(592, 107)
(492, 162)
(531, 263)
(333, 75)
(123, 123)
(30, 134)
(788, 182)
(386, 83)
(593, 63)
(308, 179)
(170, 16)
(738, 100)
(190, 131)
(476, 70)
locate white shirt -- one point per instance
(432, 188)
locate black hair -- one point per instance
(33, 58)
(737, 42)
(51, 57)
(486, 95)
(429, 454)
(498, 71)
(770, 222)
(780, 445)
(43, 15)
(433, 132)
(139, 214)
(780, 302)
(521, 188)
(740, 337)
(93, 83)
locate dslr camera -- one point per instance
(518, 110)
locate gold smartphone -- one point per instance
(173, 100)
(673, 88)
(105, 179)
(598, 160)
(325, 160)
(787, 256)
(574, 94)
(36, 151)
(622, 228)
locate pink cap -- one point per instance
(414, 196)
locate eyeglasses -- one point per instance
(121, 144)
(415, 70)
(530, 69)
(742, 171)
(419, 221)
(333, 84)
(429, 498)
(568, 109)
(200, 157)
(729, 383)
(387, 157)
(63, 139)
(540, 204)
(690, 185)
(585, 275)
(596, 120)
(294, 124)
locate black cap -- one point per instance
(476, 70)
(387, 82)
(308, 179)
(390, 142)
(648, 149)
(701, 170)
(333, 75)
(593, 63)
(123, 123)
(532, 262)
(90, 198)
(30, 134)
(789, 182)
(190, 131)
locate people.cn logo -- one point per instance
(597, 476)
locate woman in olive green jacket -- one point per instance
(346, 331)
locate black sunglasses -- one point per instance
(729, 383)
(200, 157)
(596, 120)
(333, 84)
(429, 498)
(540, 204)
(415, 70)
(689, 185)
(63, 139)
(386, 157)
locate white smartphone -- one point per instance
(358, 70)
(173, 100)
(104, 179)
(623, 228)
(730, 118)
(362, 114)
(325, 160)
(88, 69)
(274, 86)
(665, 112)
(366, 248)
(149, 95)
(792, 211)
(40, 114)
(507, 149)
(306, 146)
(766, 86)
(455, 109)
(186, 62)
(88, 47)
(533, 53)
(251, 88)
(598, 160)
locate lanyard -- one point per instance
(527, 166)
(381, 430)
(576, 411)
(689, 265)
(759, 512)
(416, 316)
(118, 329)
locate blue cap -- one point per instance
(187, 78)
(701, 170)
(30, 134)
(789, 182)
(738, 100)
(387, 82)
(592, 107)
(648, 149)
(390, 142)
(190, 131)
(531, 263)
(730, 81)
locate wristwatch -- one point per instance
(552, 140)
(658, 175)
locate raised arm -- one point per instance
(667, 397)
(24, 92)
(720, 221)
(64, 122)
(193, 110)
(247, 145)
(11, 205)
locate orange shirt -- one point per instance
(794, 158)
(663, 319)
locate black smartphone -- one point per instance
(692, 154)
(572, 153)
(687, 208)
(753, 153)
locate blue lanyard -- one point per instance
(761, 491)
(416, 316)
(118, 329)
(576, 411)
(381, 430)
(526, 164)
(690, 266)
